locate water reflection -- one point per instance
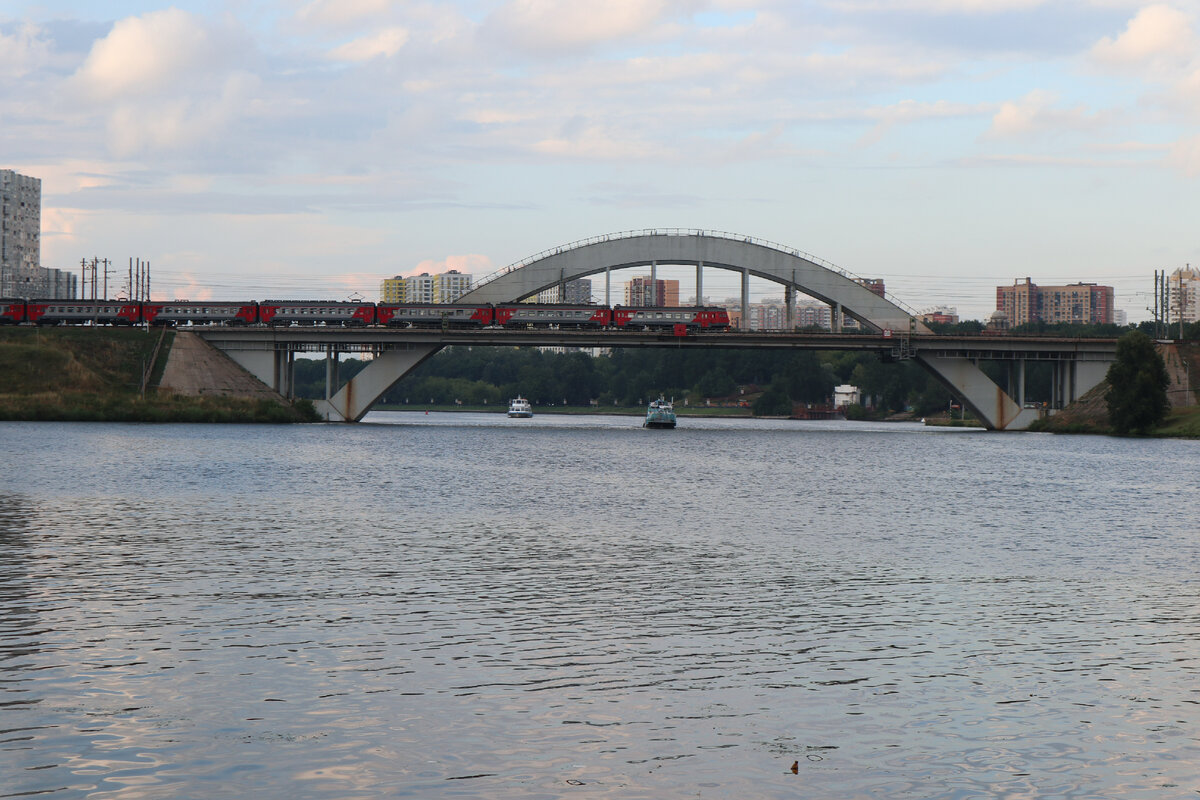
(438, 610)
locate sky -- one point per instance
(310, 148)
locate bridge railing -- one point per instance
(630, 234)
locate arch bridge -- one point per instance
(956, 366)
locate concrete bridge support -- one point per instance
(991, 404)
(354, 400)
(745, 299)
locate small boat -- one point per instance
(519, 407)
(660, 414)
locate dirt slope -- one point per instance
(196, 368)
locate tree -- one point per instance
(1137, 385)
(772, 403)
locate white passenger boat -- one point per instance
(519, 407)
(660, 414)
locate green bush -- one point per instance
(1137, 394)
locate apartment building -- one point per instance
(1026, 302)
(446, 287)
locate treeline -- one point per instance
(778, 379)
(492, 375)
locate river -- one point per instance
(462, 605)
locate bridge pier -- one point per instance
(354, 400)
(745, 299)
(332, 371)
(1016, 381)
(990, 403)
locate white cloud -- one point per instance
(596, 144)
(475, 264)
(940, 6)
(385, 43)
(179, 122)
(1036, 113)
(908, 112)
(23, 52)
(341, 13)
(1185, 156)
(166, 81)
(557, 25)
(147, 54)
(1156, 35)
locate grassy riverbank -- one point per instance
(1181, 423)
(1090, 415)
(110, 375)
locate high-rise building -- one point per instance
(574, 291)
(446, 287)
(642, 291)
(20, 235)
(21, 272)
(391, 290)
(419, 288)
(450, 285)
(1183, 294)
(1075, 303)
(813, 315)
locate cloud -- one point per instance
(1035, 114)
(580, 139)
(186, 287)
(1185, 156)
(342, 13)
(908, 112)
(180, 122)
(23, 51)
(385, 43)
(1157, 34)
(147, 55)
(166, 81)
(940, 6)
(475, 264)
(563, 25)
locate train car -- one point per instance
(204, 312)
(545, 315)
(316, 312)
(433, 315)
(12, 311)
(82, 312)
(711, 318)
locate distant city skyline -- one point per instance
(316, 147)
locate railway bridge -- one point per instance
(889, 327)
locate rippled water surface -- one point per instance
(461, 605)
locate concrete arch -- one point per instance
(709, 249)
(704, 249)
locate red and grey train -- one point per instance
(284, 313)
